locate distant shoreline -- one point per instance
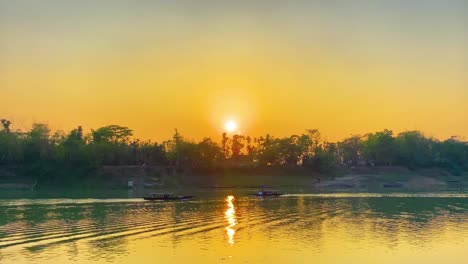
(143, 179)
(111, 158)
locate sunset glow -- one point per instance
(352, 67)
(230, 126)
(234, 131)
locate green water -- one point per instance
(230, 227)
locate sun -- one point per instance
(230, 126)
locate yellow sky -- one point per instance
(274, 68)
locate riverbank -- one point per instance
(350, 179)
(146, 178)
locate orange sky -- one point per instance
(275, 68)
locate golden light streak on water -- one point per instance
(230, 216)
(429, 228)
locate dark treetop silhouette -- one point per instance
(60, 156)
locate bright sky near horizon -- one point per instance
(275, 67)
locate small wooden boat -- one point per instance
(454, 181)
(166, 197)
(393, 185)
(266, 193)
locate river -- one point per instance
(235, 228)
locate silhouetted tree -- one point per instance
(112, 134)
(225, 145)
(380, 147)
(237, 145)
(6, 125)
(351, 150)
(58, 156)
(414, 150)
(210, 152)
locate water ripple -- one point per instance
(44, 230)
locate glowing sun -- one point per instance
(230, 126)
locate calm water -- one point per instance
(329, 228)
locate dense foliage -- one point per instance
(46, 155)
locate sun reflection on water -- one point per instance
(230, 216)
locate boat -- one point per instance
(454, 181)
(166, 197)
(266, 193)
(393, 185)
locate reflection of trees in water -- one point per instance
(34, 214)
(309, 222)
(11, 215)
(66, 224)
(415, 218)
(389, 219)
(275, 218)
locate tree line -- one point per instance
(44, 154)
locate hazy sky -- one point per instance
(275, 67)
